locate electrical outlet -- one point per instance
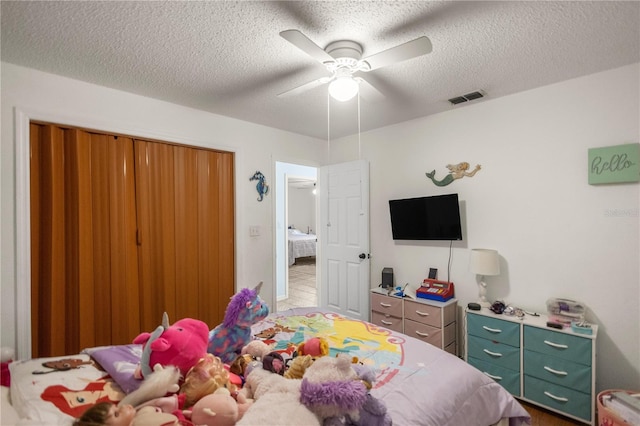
(254, 231)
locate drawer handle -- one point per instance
(424, 314)
(496, 378)
(422, 334)
(385, 305)
(559, 373)
(386, 322)
(557, 398)
(493, 330)
(556, 345)
(492, 353)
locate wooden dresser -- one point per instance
(427, 320)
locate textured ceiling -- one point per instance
(227, 57)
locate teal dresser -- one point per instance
(544, 366)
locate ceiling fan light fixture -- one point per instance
(343, 88)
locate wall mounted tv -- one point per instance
(426, 218)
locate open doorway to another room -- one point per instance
(296, 236)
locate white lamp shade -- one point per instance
(343, 88)
(484, 262)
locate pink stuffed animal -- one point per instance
(181, 344)
(216, 409)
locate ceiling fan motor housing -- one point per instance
(345, 49)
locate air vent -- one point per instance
(465, 98)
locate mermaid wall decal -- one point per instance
(456, 171)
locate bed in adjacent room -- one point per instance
(419, 383)
(300, 245)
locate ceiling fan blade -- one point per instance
(305, 87)
(411, 49)
(368, 92)
(303, 43)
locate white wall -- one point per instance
(50, 97)
(557, 235)
(302, 209)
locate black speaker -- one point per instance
(387, 277)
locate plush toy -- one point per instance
(331, 388)
(245, 308)
(151, 416)
(316, 347)
(276, 401)
(256, 348)
(239, 364)
(207, 376)
(161, 382)
(181, 344)
(373, 412)
(274, 362)
(216, 409)
(298, 366)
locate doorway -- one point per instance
(296, 241)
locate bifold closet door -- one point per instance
(84, 266)
(185, 200)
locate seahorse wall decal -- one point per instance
(456, 171)
(261, 186)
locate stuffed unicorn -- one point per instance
(245, 308)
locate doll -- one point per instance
(109, 414)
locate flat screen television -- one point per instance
(426, 218)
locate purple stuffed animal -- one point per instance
(245, 309)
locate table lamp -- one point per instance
(484, 262)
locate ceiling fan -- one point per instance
(343, 59)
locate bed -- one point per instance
(419, 383)
(300, 244)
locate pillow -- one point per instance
(120, 361)
(57, 397)
(294, 231)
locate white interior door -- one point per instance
(344, 238)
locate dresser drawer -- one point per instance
(386, 305)
(494, 329)
(387, 321)
(452, 349)
(508, 379)
(426, 314)
(562, 345)
(558, 397)
(558, 370)
(494, 352)
(423, 332)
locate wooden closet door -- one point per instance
(186, 233)
(84, 267)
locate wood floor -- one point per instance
(302, 285)
(542, 417)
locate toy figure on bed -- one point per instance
(180, 344)
(245, 308)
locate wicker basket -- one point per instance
(607, 417)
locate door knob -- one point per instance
(362, 256)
